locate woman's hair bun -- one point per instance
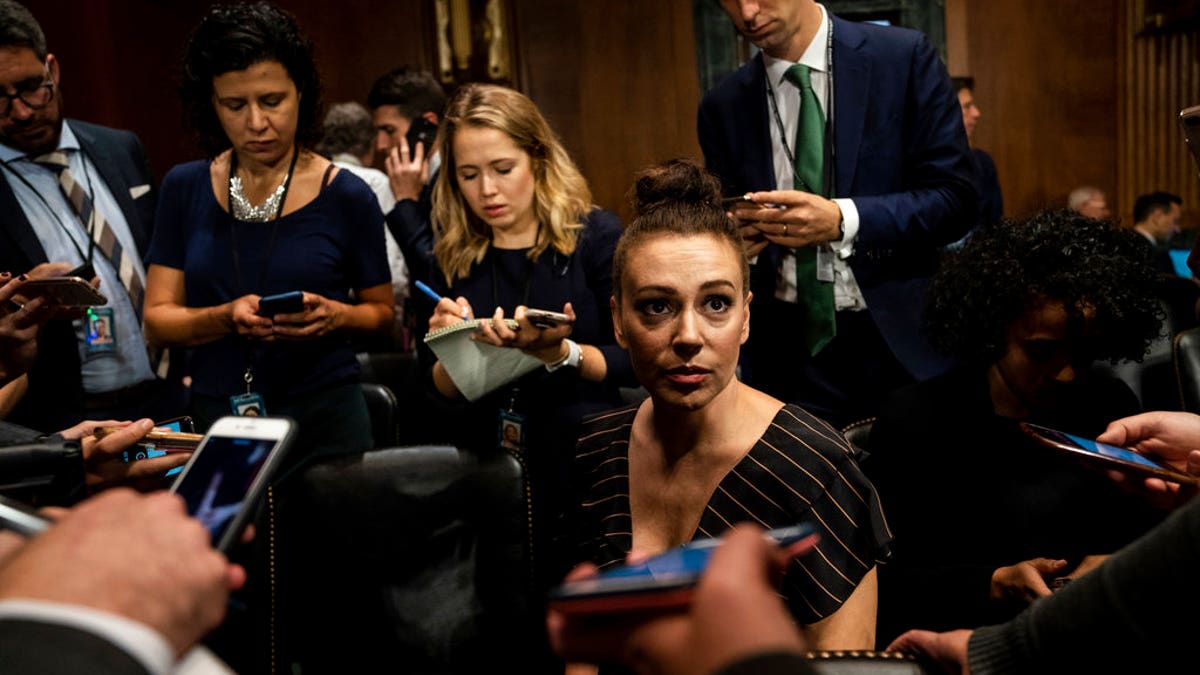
(679, 182)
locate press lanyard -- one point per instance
(237, 261)
(88, 227)
(829, 149)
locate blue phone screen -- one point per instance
(220, 478)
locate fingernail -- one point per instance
(23, 277)
(146, 424)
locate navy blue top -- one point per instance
(553, 403)
(329, 246)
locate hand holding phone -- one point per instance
(420, 131)
(291, 302)
(543, 318)
(64, 291)
(1107, 456)
(229, 472)
(663, 581)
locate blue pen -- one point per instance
(433, 295)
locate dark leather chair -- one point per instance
(384, 411)
(860, 662)
(859, 433)
(1186, 353)
(410, 559)
(422, 417)
(1152, 380)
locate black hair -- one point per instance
(18, 28)
(235, 37)
(677, 197)
(965, 82)
(1007, 269)
(412, 90)
(1148, 203)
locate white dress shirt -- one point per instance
(846, 294)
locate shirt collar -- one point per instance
(814, 56)
(66, 141)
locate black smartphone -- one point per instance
(543, 318)
(65, 291)
(228, 473)
(664, 581)
(20, 518)
(291, 302)
(1109, 456)
(420, 131)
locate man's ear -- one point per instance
(618, 331)
(52, 66)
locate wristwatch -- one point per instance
(573, 359)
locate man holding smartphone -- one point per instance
(123, 583)
(398, 100)
(74, 197)
(865, 175)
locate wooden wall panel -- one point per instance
(1159, 76)
(1044, 75)
(617, 80)
(120, 57)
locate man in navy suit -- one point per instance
(898, 185)
(41, 234)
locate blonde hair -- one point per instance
(561, 197)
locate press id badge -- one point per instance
(101, 333)
(249, 404)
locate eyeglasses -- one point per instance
(35, 97)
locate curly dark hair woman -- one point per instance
(985, 518)
(235, 37)
(1098, 272)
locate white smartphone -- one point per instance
(229, 471)
(20, 518)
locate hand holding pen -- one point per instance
(447, 311)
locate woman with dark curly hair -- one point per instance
(985, 519)
(266, 215)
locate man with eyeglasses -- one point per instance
(74, 197)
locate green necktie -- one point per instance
(814, 296)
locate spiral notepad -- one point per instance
(478, 368)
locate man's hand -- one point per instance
(948, 650)
(735, 612)
(140, 557)
(792, 218)
(102, 464)
(1025, 581)
(1173, 437)
(407, 176)
(19, 327)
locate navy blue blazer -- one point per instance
(55, 394)
(900, 152)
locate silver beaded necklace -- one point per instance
(270, 207)
(244, 210)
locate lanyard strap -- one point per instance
(87, 227)
(829, 150)
(529, 268)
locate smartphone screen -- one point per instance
(226, 474)
(661, 581)
(178, 424)
(1121, 458)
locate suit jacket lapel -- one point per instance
(17, 228)
(851, 84)
(756, 120)
(113, 177)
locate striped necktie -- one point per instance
(97, 227)
(814, 296)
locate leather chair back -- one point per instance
(1186, 352)
(410, 559)
(384, 410)
(859, 433)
